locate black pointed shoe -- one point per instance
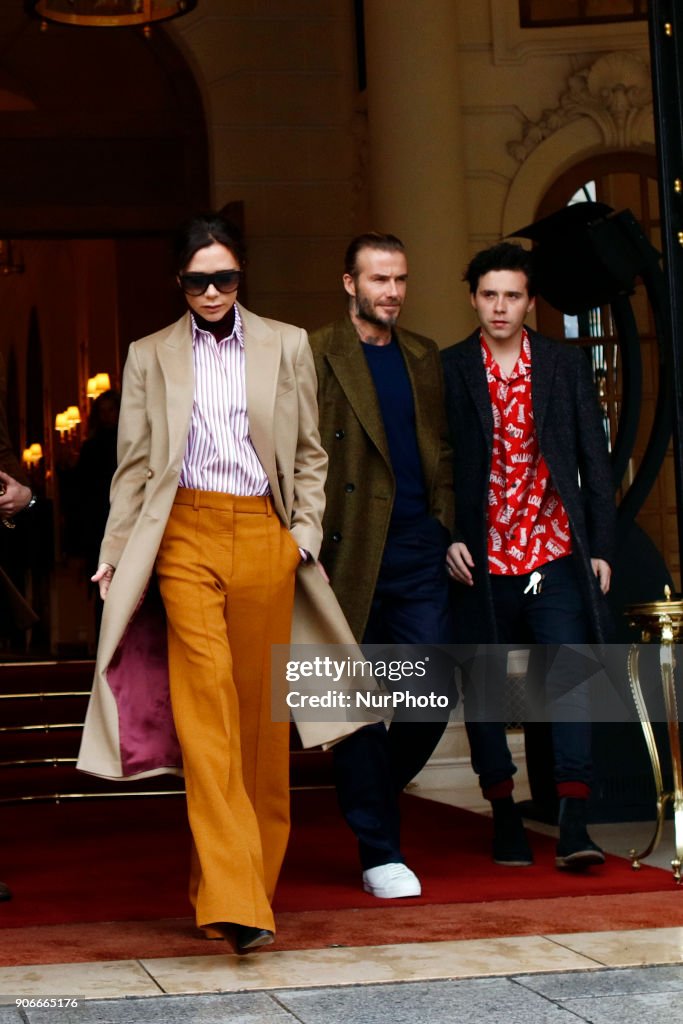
(247, 939)
(576, 851)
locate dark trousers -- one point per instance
(553, 617)
(411, 607)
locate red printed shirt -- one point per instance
(527, 523)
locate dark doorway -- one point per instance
(104, 153)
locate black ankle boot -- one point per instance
(576, 851)
(510, 844)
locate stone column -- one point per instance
(416, 156)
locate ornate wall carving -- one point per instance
(614, 92)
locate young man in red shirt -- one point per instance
(534, 529)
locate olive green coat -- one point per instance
(360, 484)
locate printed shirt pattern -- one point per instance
(527, 523)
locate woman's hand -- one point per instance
(103, 576)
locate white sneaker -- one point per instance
(389, 881)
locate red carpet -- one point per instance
(317, 929)
(105, 880)
(126, 860)
(449, 849)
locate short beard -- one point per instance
(364, 311)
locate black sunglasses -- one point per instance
(224, 281)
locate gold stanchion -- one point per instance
(660, 622)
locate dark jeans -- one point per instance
(552, 617)
(410, 606)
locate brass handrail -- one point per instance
(36, 761)
(41, 727)
(660, 622)
(59, 797)
(45, 664)
(41, 695)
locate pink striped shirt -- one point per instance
(219, 455)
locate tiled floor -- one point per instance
(530, 978)
(365, 965)
(630, 996)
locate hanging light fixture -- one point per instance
(109, 13)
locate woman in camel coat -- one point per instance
(225, 565)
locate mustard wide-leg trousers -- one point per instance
(226, 569)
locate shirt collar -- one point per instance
(522, 367)
(237, 333)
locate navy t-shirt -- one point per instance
(397, 406)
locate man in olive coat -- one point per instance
(386, 526)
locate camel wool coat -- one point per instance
(129, 730)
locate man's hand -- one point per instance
(103, 577)
(602, 571)
(459, 562)
(15, 496)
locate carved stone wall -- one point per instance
(614, 92)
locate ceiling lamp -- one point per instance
(109, 13)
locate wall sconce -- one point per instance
(32, 455)
(62, 424)
(66, 425)
(97, 385)
(73, 415)
(67, 421)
